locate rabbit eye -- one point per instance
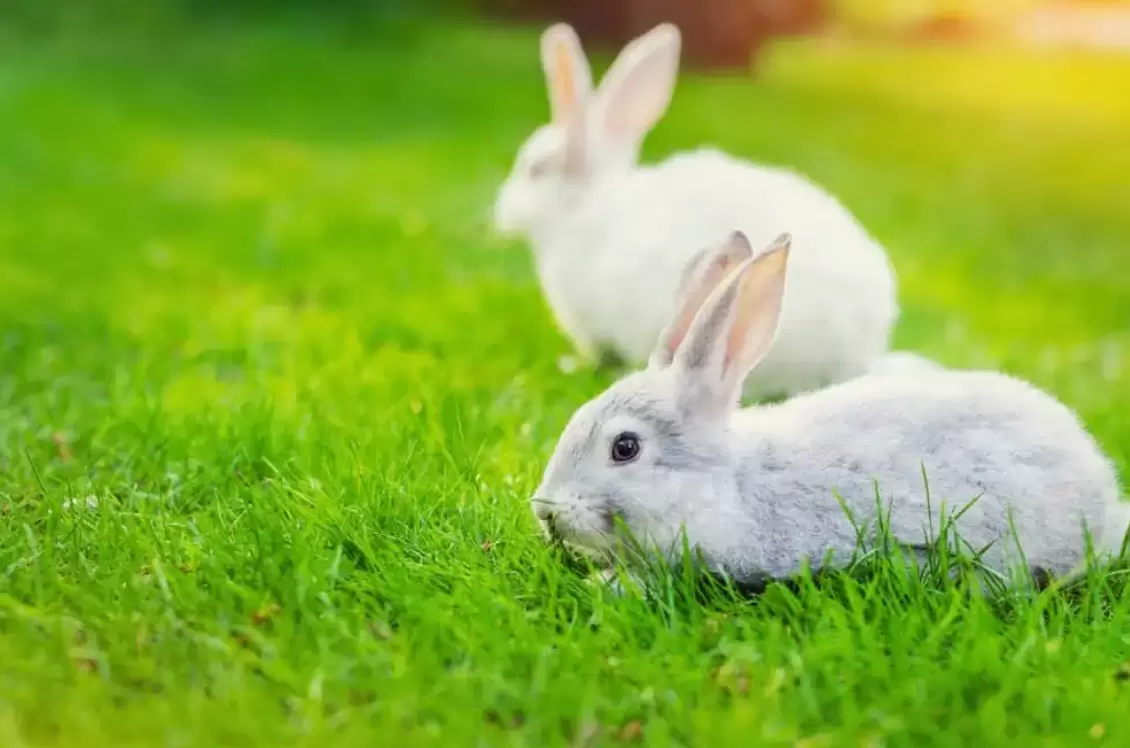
(626, 447)
(539, 169)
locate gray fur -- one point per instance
(755, 490)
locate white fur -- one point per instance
(755, 490)
(611, 237)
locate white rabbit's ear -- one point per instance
(735, 329)
(576, 135)
(567, 72)
(701, 275)
(637, 88)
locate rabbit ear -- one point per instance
(576, 134)
(734, 329)
(567, 72)
(701, 275)
(637, 89)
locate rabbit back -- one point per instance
(1001, 452)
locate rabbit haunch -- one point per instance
(755, 490)
(611, 237)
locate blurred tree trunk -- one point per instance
(717, 34)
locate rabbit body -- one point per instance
(1017, 461)
(610, 267)
(763, 491)
(611, 236)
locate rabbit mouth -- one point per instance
(599, 556)
(589, 535)
(574, 542)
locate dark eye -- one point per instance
(626, 447)
(539, 169)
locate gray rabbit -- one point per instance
(761, 491)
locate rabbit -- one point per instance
(668, 454)
(610, 237)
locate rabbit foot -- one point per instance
(617, 583)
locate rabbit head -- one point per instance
(590, 134)
(653, 451)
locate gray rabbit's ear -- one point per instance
(734, 330)
(701, 275)
(567, 73)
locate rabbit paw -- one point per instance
(620, 584)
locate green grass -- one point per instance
(250, 308)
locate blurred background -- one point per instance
(718, 32)
(213, 186)
(732, 32)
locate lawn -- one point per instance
(272, 399)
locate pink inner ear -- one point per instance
(755, 317)
(715, 272)
(566, 81)
(738, 338)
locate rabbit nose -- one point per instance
(543, 510)
(545, 513)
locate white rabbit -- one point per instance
(611, 237)
(758, 491)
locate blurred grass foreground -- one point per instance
(272, 398)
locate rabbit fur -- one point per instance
(755, 490)
(611, 237)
